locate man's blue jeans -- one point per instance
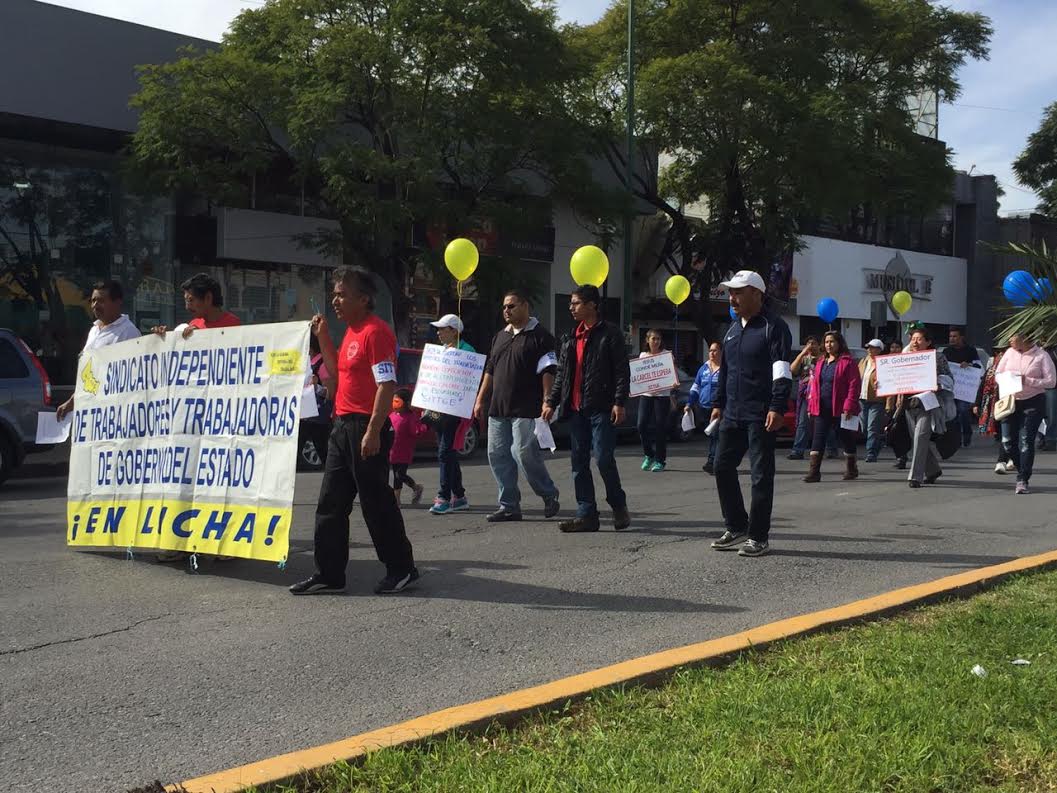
(965, 420)
(873, 424)
(512, 445)
(595, 434)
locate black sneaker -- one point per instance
(901, 464)
(577, 525)
(754, 548)
(710, 468)
(316, 585)
(502, 516)
(551, 507)
(729, 540)
(621, 518)
(795, 456)
(392, 584)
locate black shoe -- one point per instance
(502, 516)
(730, 540)
(392, 584)
(709, 468)
(754, 548)
(795, 456)
(415, 574)
(901, 464)
(621, 518)
(914, 484)
(577, 525)
(551, 507)
(931, 480)
(316, 585)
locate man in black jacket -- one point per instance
(591, 387)
(755, 380)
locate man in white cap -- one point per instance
(752, 395)
(451, 496)
(873, 414)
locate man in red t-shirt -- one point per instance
(204, 299)
(358, 451)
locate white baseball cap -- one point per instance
(449, 321)
(876, 343)
(743, 278)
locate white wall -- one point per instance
(832, 268)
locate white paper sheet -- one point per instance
(51, 430)
(1009, 383)
(544, 436)
(712, 427)
(928, 400)
(852, 424)
(688, 421)
(309, 406)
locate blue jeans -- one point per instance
(713, 444)
(873, 423)
(512, 445)
(965, 420)
(1023, 427)
(735, 438)
(589, 434)
(450, 470)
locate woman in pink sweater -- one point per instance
(1037, 373)
(833, 396)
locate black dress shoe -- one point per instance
(931, 480)
(621, 519)
(577, 525)
(914, 484)
(503, 516)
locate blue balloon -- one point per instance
(733, 315)
(828, 309)
(1045, 288)
(1020, 288)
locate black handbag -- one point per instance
(897, 436)
(950, 441)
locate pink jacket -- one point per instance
(407, 427)
(847, 384)
(1035, 367)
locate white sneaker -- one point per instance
(1010, 467)
(1000, 468)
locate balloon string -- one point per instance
(458, 291)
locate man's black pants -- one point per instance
(348, 474)
(735, 438)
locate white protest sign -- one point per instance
(1009, 384)
(688, 421)
(966, 382)
(853, 423)
(189, 444)
(448, 380)
(906, 373)
(653, 374)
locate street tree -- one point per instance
(387, 115)
(1036, 167)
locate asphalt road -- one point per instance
(114, 673)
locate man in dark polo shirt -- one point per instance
(755, 379)
(518, 377)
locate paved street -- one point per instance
(115, 672)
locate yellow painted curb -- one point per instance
(508, 706)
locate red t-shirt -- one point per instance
(225, 320)
(367, 357)
(582, 333)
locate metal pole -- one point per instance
(629, 167)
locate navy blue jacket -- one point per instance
(754, 377)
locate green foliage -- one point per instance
(385, 113)
(1036, 167)
(777, 111)
(1037, 321)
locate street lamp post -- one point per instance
(629, 167)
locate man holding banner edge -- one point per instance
(358, 453)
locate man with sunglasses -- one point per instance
(518, 377)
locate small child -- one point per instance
(406, 428)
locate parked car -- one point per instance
(25, 390)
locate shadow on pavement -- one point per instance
(949, 559)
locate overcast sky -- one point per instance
(1000, 106)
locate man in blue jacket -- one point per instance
(750, 399)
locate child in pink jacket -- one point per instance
(833, 397)
(407, 426)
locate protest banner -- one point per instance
(448, 379)
(189, 444)
(653, 374)
(906, 373)
(966, 382)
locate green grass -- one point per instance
(888, 706)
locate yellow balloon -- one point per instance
(901, 302)
(461, 257)
(589, 265)
(677, 288)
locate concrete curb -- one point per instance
(650, 668)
